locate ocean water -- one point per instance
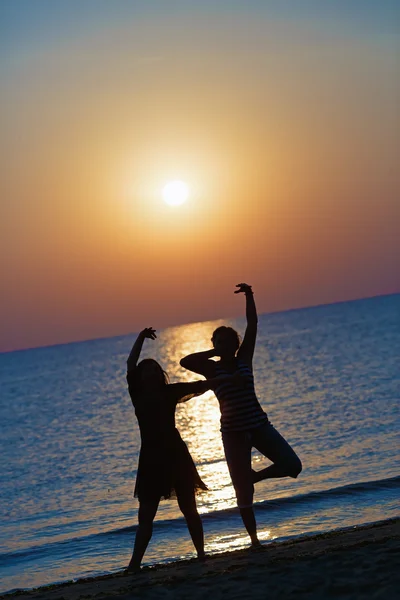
(328, 376)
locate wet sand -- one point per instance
(361, 562)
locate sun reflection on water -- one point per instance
(184, 340)
(224, 543)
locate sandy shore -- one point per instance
(362, 562)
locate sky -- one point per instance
(281, 117)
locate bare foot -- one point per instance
(257, 546)
(131, 570)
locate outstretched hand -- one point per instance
(243, 287)
(149, 333)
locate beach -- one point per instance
(358, 562)
(70, 454)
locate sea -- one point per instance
(328, 377)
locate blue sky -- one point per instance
(25, 22)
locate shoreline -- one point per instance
(357, 562)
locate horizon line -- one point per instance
(122, 335)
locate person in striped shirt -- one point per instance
(244, 424)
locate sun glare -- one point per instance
(175, 193)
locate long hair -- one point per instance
(136, 379)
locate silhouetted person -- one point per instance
(166, 467)
(244, 424)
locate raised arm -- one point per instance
(246, 349)
(133, 357)
(199, 362)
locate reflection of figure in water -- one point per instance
(244, 424)
(165, 465)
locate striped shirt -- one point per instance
(240, 409)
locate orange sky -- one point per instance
(286, 130)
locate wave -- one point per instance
(278, 504)
(352, 489)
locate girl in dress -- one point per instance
(166, 468)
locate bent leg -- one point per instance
(286, 463)
(147, 512)
(187, 504)
(237, 446)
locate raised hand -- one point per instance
(149, 333)
(243, 287)
(134, 355)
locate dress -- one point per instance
(165, 464)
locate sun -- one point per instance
(175, 192)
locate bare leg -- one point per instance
(147, 512)
(269, 442)
(187, 504)
(249, 522)
(237, 446)
(270, 472)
